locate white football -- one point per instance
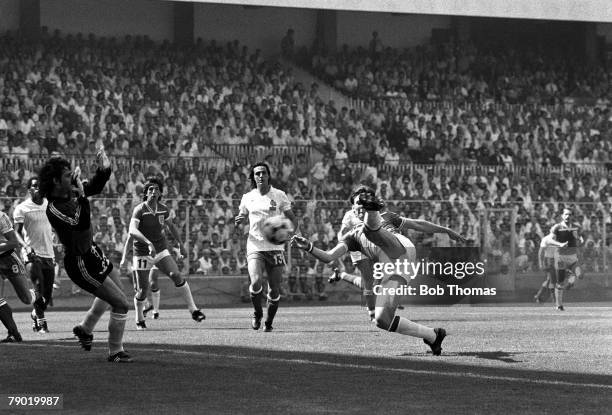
(277, 229)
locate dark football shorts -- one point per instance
(11, 266)
(271, 258)
(88, 271)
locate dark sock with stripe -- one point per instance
(256, 300)
(272, 309)
(6, 316)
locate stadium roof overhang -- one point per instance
(577, 10)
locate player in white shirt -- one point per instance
(32, 225)
(262, 202)
(546, 259)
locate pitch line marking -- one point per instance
(393, 369)
(361, 367)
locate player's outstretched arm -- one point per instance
(294, 220)
(98, 181)
(549, 240)
(19, 234)
(10, 243)
(325, 256)
(425, 226)
(20, 238)
(177, 236)
(126, 249)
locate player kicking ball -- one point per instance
(261, 203)
(378, 241)
(149, 219)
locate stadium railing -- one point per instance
(505, 237)
(246, 154)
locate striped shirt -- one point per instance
(71, 218)
(6, 226)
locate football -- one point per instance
(277, 229)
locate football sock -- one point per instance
(540, 292)
(272, 308)
(370, 300)
(139, 307)
(98, 307)
(404, 326)
(116, 325)
(6, 316)
(155, 297)
(186, 294)
(558, 297)
(256, 300)
(39, 307)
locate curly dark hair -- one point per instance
(30, 180)
(252, 173)
(152, 180)
(51, 170)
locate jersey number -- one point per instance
(279, 259)
(142, 263)
(15, 269)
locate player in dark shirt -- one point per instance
(566, 260)
(147, 228)
(86, 265)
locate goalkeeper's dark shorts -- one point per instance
(88, 271)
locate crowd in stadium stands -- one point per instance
(433, 132)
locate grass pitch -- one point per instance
(328, 359)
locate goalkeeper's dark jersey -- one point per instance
(71, 218)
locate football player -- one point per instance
(147, 225)
(262, 202)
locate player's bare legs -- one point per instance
(109, 293)
(373, 229)
(168, 266)
(385, 317)
(155, 292)
(256, 267)
(365, 282)
(141, 288)
(20, 284)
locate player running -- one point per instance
(351, 219)
(546, 259)
(86, 265)
(378, 240)
(147, 225)
(12, 269)
(36, 234)
(566, 261)
(262, 202)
